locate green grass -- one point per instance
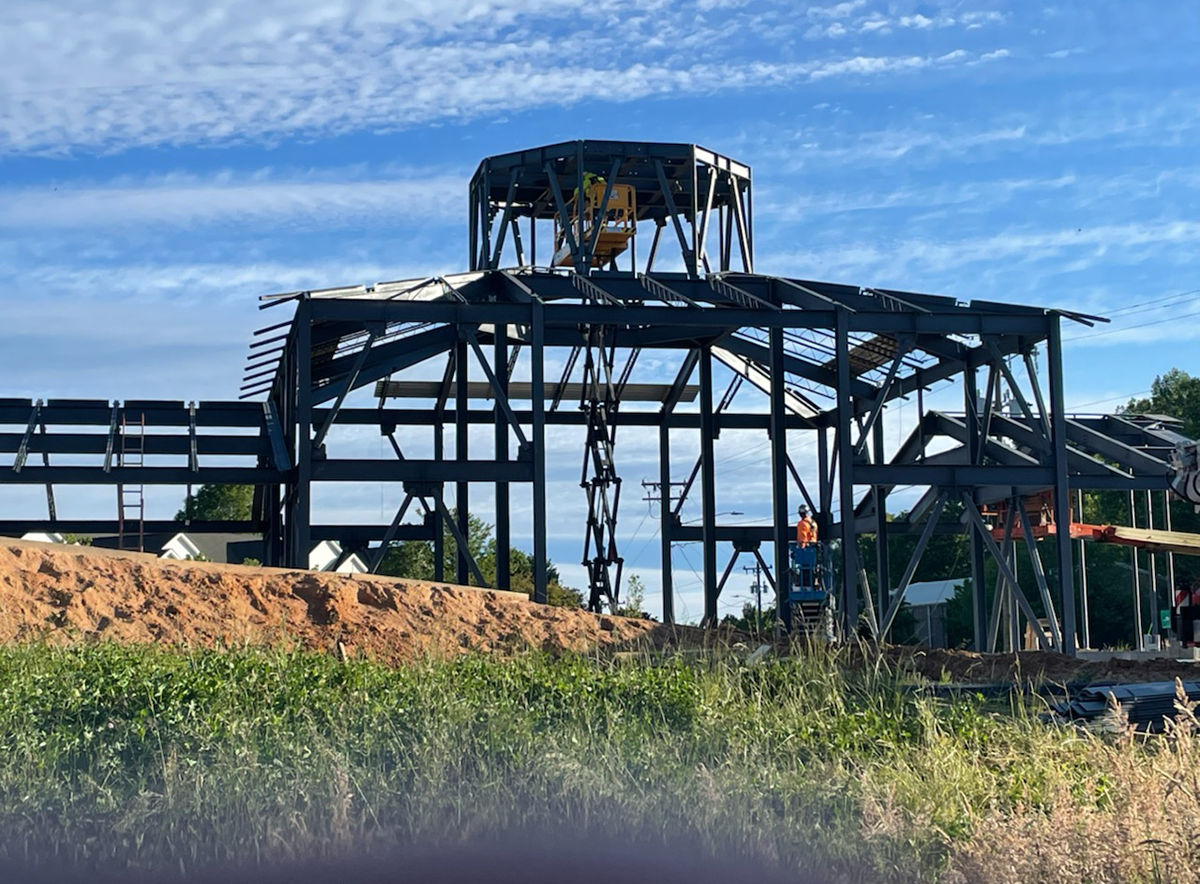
(123, 756)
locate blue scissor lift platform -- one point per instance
(811, 602)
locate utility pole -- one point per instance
(663, 494)
(654, 495)
(757, 587)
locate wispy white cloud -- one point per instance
(837, 10)
(1116, 120)
(216, 283)
(840, 21)
(782, 206)
(151, 73)
(934, 263)
(981, 18)
(328, 201)
(993, 56)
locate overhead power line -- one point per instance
(1113, 331)
(1139, 306)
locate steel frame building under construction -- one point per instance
(672, 273)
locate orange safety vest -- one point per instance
(806, 531)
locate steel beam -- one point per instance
(561, 205)
(923, 541)
(1005, 569)
(1001, 608)
(689, 257)
(419, 417)
(728, 319)
(382, 551)
(1039, 575)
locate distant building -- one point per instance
(44, 537)
(230, 548)
(328, 555)
(927, 601)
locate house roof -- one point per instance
(931, 592)
(225, 547)
(152, 541)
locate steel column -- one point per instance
(300, 515)
(1084, 619)
(824, 518)
(1170, 555)
(708, 491)
(846, 477)
(664, 479)
(1137, 579)
(979, 611)
(883, 566)
(537, 353)
(1152, 565)
(779, 475)
(503, 532)
(1062, 491)
(462, 490)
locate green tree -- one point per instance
(414, 559)
(749, 620)
(1110, 567)
(1176, 394)
(634, 603)
(218, 503)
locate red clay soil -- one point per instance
(71, 593)
(64, 594)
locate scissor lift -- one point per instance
(808, 595)
(609, 218)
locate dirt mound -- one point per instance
(69, 593)
(72, 593)
(938, 664)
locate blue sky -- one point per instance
(161, 165)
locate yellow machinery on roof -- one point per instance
(617, 221)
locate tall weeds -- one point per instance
(116, 757)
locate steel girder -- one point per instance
(827, 357)
(782, 335)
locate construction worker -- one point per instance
(588, 180)
(806, 528)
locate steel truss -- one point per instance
(807, 361)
